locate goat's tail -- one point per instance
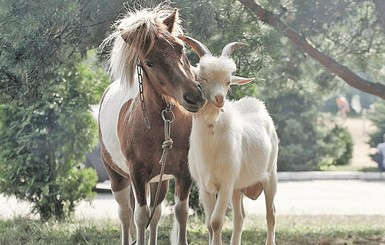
(274, 153)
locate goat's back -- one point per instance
(259, 140)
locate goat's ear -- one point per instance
(170, 20)
(235, 80)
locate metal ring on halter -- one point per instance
(166, 111)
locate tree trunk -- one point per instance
(328, 62)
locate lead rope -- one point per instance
(168, 117)
(167, 145)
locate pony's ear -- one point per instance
(126, 36)
(170, 20)
(235, 80)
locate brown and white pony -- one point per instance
(146, 42)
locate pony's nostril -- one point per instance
(189, 99)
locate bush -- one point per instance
(335, 146)
(44, 144)
(378, 119)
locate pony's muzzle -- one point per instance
(194, 101)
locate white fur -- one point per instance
(232, 146)
(238, 144)
(113, 101)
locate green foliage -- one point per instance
(335, 147)
(378, 119)
(43, 145)
(343, 143)
(293, 115)
(39, 36)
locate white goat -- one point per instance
(233, 147)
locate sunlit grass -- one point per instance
(324, 230)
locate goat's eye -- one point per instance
(149, 64)
(228, 83)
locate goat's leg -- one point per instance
(238, 217)
(157, 208)
(270, 188)
(218, 215)
(182, 191)
(208, 202)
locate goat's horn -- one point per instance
(229, 48)
(198, 47)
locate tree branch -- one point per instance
(351, 78)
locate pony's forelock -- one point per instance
(139, 27)
(209, 65)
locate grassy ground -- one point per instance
(296, 230)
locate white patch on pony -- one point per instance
(113, 101)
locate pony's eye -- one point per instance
(149, 64)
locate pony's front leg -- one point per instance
(208, 202)
(218, 215)
(238, 217)
(142, 213)
(179, 229)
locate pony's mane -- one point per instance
(140, 27)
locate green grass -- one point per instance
(296, 230)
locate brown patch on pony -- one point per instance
(253, 191)
(123, 112)
(119, 179)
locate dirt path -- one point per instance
(360, 129)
